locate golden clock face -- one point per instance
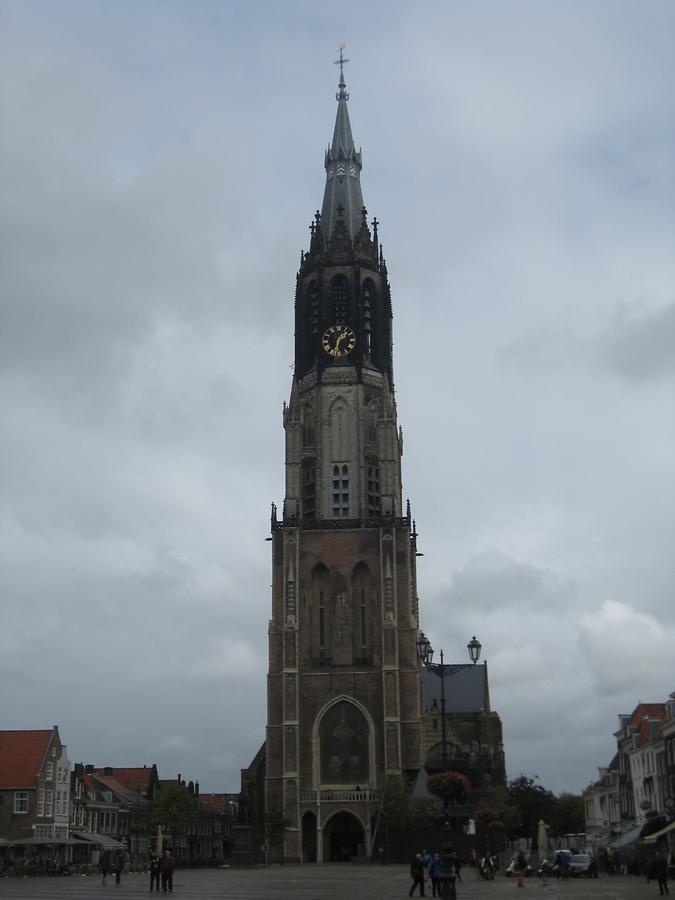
(338, 340)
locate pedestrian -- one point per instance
(521, 866)
(659, 871)
(417, 874)
(118, 868)
(104, 867)
(167, 872)
(155, 866)
(435, 871)
(487, 867)
(426, 862)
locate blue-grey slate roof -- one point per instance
(465, 691)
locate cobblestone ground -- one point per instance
(326, 882)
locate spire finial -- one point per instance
(342, 93)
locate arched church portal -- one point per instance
(343, 838)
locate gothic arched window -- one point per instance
(368, 295)
(320, 622)
(313, 307)
(341, 490)
(361, 590)
(339, 296)
(343, 739)
(307, 425)
(308, 489)
(374, 502)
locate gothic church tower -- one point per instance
(344, 695)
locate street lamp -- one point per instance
(426, 654)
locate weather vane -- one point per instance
(341, 62)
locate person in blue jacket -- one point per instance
(435, 871)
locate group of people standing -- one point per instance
(161, 867)
(427, 871)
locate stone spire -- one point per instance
(342, 199)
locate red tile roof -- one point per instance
(21, 756)
(652, 710)
(137, 779)
(213, 803)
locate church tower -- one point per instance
(344, 692)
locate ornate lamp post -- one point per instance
(442, 670)
(426, 654)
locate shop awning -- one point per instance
(653, 838)
(628, 837)
(103, 840)
(44, 842)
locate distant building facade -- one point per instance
(34, 788)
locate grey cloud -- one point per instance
(640, 344)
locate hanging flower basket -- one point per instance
(451, 786)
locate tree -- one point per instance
(276, 824)
(571, 814)
(401, 810)
(173, 805)
(532, 802)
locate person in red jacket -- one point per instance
(167, 872)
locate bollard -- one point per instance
(448, 891)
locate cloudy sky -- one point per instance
(161, 162)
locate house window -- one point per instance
(49, 774)
(374, 503)
(341, 491)
(49, 803)
(21, 801)
(322, 621)
(41, 802)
